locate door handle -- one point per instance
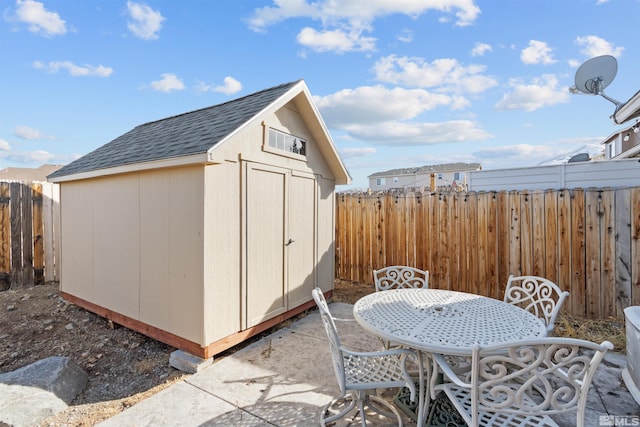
(289, 242)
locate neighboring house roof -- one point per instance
(195, 133)
(442, 168)
(628, 110)
(28, 174)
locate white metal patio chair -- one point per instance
(400, 277)
(537, 295)
(523, 383)
(359, 374)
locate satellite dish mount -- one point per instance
(595, 75)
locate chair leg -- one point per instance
(363, 400)
(349, 400)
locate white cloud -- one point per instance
(388, 116)
(370, 104)
(417, 134)
(38, 19)
(25, 132)
(480, 49)
(338, 40)
(541, 92)
(145, 22)
(537, 53)
(406, 36)
(447, 75)
(596, 46)
(168, 83)
(344, 22)
(4, 145)
(349, 153)
(516, 151)
(229, 86)
(73, 69)
(30, 157)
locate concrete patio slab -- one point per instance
(284, 379)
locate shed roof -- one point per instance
(183, 135)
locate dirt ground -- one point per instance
(125, 367)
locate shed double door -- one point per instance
(280, 236)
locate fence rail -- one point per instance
(586, 240)
(29, 218)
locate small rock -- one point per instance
(69, 326)
(11, 307)
(25, 298)
(35, 392)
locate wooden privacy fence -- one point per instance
(29, 218)
(585, 240)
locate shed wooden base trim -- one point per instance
(182, 343)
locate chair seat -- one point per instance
(379, 371)
(461, 399)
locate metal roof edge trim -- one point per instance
(201, 158)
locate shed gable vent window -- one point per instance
(286, 142)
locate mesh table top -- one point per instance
(442, 321)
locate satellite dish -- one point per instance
(580, 157)
(595, 75)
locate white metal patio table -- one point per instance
(444, 322)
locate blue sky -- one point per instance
(399, 83)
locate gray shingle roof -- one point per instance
(186, 134)
(441, 168)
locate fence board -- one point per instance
(587, 241)
(38, 232)
(551, 238)
(607, 255)
(27, 235)
(565, 261)
(502, 222)
(15, 206)
(492, 247)
(623, 250)
(465, 244)
(592, 253)
(514, 233)
(526, 233)
(537, 233)
(635, 246)
(5, 237)
(578, 297)
(454, 245)
(472, 248)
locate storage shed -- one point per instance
(203, 229)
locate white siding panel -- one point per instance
(326, 234)
(155, 250)
(186, 270)
(222, 251)
(116, 244)
(76, 243)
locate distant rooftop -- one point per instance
(28, 174)
(441, 168)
